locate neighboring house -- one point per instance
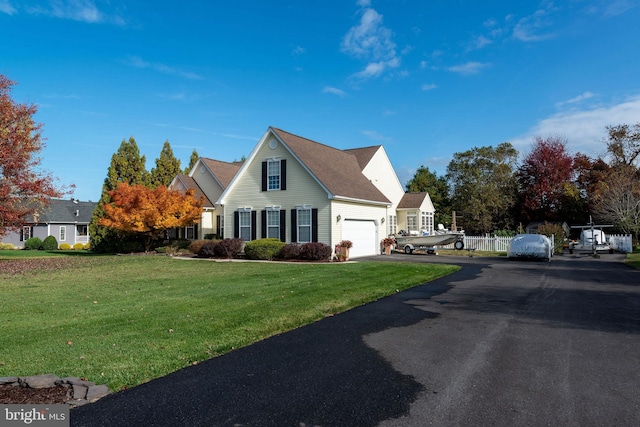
(416, 213)
(299, 190)
(66, 220)
(208, 178)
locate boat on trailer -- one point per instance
(408, 242)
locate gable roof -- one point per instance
(189, 183)
(364, 154)
(222, 171)
(338, 171)
(66, 211)
(412, 200)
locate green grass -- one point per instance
(633, 259)
(123, 320)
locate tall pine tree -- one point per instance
(192, 162)
(127, 165)
(167, 167)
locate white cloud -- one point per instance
(469, 67)
(371, 41)
(298, 50)
(584, 129)
(137, 62)
(530, 28)
(334, 91)
(618, 7)
(76, 10)
(582, 97)
(5, 7)
(427, 87)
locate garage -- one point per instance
(364, 236)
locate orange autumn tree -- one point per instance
(137, 209)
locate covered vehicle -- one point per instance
(530, 246)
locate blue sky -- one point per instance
(426, 79)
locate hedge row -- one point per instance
(265, 249)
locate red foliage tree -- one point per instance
(546, 180)
(137, 209)
(24, 188)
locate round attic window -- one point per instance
(202, 169)
(273, 143)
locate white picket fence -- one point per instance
(485, 243)
(620, 243)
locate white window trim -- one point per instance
(299, 227)
(240, 226)
(270, 161)
(63, 233)
(270, 227)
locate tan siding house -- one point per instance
(299, 190)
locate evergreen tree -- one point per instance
(127, 165)
(192, 162)
(167, 167)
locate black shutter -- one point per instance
(264, 176)
(294, 225)
(283, 225)
(236, 224)
(253, 225)
(314, 225)
(263, 223)
(195, 232)
(218, 222)
(283, 174)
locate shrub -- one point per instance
(229, 248)
(212, 236)
(548, 229)
(78, 247)
(196, 245)
(263, 248)
(290, 251)
(50, 243)
(7, 246)
(34, 243)
(87, 246)
(315, 252)
(208, 249)
(65, 247)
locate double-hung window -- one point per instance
(304, 225)
(63, 233)
(393, 224)
(426, 222)
(273, 175)
(412, 222)
(273, 223)
(244, 219)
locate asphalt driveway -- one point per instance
(497, 343)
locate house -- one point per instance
(66, 220)
(209, 178)
(299, 190)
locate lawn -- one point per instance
(633, 259)
(123, 320)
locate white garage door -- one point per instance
(363, 236)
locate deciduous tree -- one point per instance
(620, 202)
(623, 144)
(24, 188)
(484, 188)
(546, 180)
(127, 166)
(136, 209)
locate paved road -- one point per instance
(497, 344)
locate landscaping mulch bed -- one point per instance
(33, 396)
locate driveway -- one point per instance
(498, 343)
